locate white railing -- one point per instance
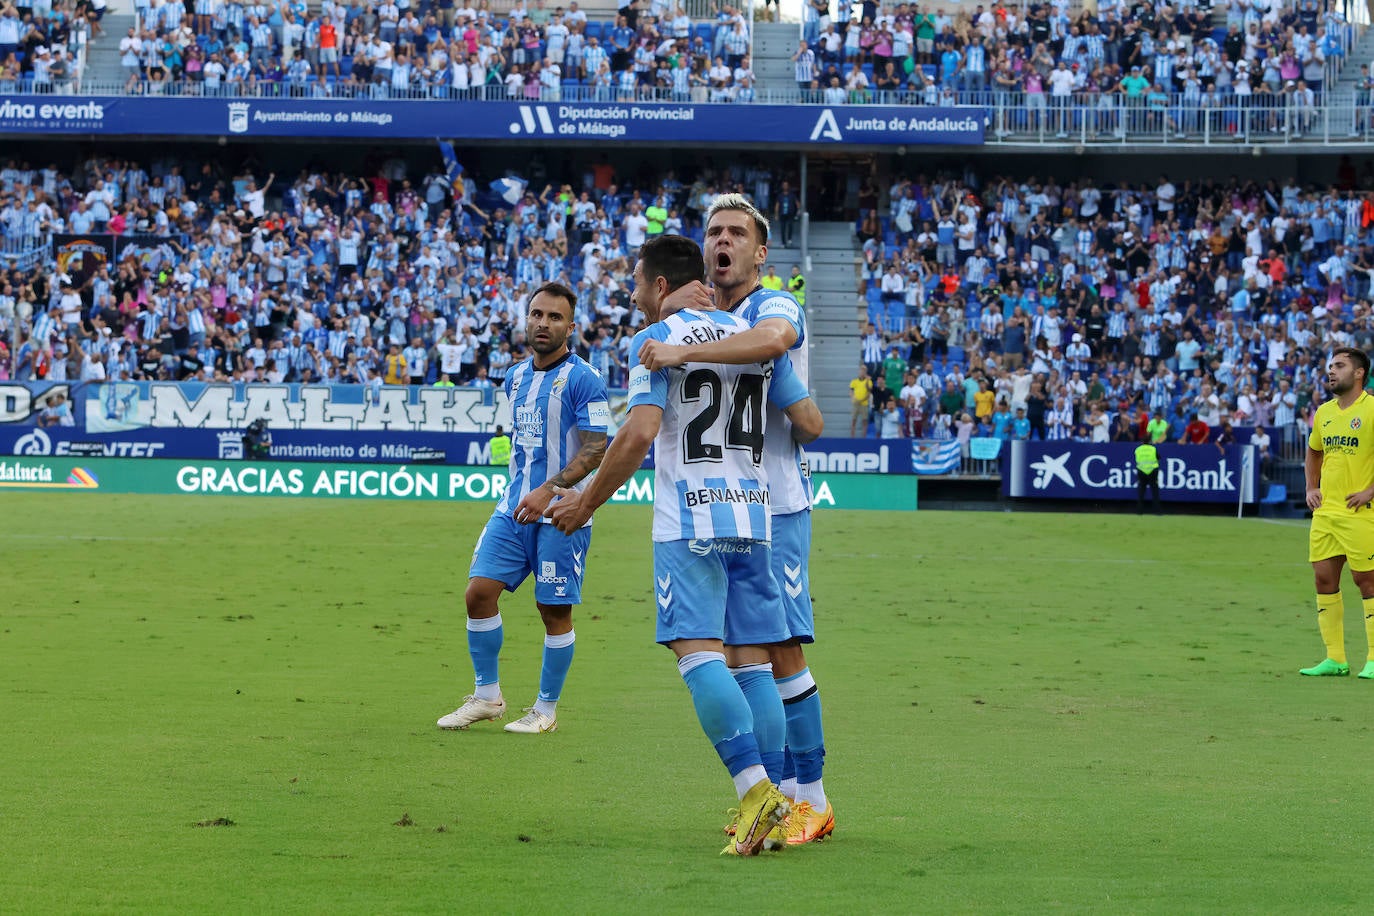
(25, 253)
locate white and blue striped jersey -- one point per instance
(789, 479)
(548, 407)
(709, 478)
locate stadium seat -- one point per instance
(1274, 498)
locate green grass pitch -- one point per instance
(1024, 712)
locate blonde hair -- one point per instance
(744, 205)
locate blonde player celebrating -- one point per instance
(717, 598)
(1340, 488)
(736, 246)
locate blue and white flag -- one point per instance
(453, 169)
(934, 456)
(510, 189)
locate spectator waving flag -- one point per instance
(510, 189)
(453, 169)
(934, 456)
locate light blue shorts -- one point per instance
(791, 553)
(721, 588)
(508, 552)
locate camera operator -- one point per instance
(257, 441)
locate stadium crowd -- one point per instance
(391, 278)
(432, 49)
(1143, 65)
(44, 44)
(1129, 63)
(1045, 310)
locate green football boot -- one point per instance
(1329, 668)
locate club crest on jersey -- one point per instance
(559, 385)
(1354, 422)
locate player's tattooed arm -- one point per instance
(587, 459)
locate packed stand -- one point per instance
(438, 49)
(387, 279)
(1087, 311)
(43, 44)
(1127, 67)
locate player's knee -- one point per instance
(788, 659)
(557, 618)
(741, 656)
(481, 597)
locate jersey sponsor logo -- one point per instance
(548, 574)
(1341, 442)
(779, 307)
(639, 381)
(704, 547)
(705, 496)
(529, 425)
(599, 413)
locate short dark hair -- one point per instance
(676, 258)
(1357, 356)
(557, 290)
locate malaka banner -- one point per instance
(158, 476)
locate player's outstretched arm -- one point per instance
(623, 458)
(769, 339)
(807, 422)
(587, 459)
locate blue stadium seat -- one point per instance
(593, 30)
(703, 29)
(1274, 497)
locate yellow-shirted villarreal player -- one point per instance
(1340, 487)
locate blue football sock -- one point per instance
(484, 645)
(721, 709)
(558, 656)
(770, 724)
(789, 763)
(805, 739)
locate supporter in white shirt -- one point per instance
(636, 227)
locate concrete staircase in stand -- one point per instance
(102, 55)
(774, 45)
(831, 320)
